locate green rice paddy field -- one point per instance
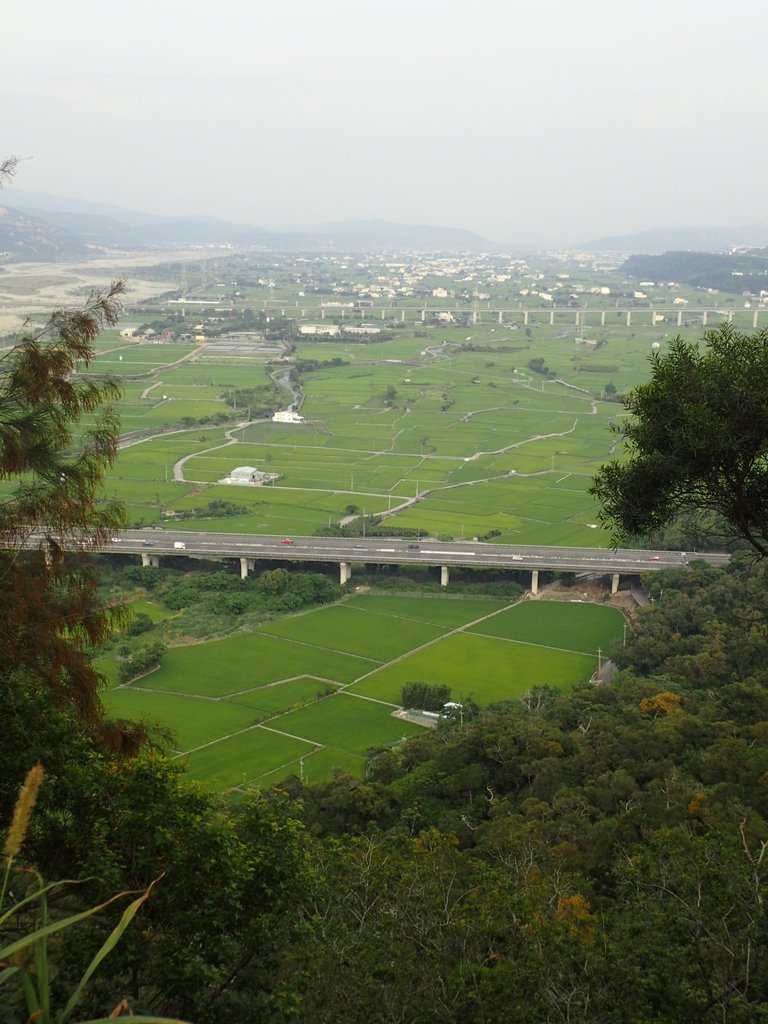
(482, 442)
(314, 692)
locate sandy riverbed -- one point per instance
(32, 290)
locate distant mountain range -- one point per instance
(712, 239)
(36, 226)
(39, 226)
(27, 238)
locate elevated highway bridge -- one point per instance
(150, 545)
(554, 314)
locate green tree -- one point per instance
(52, 469)
(273, 581)
(425, 696)
(697, 442)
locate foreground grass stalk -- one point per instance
(25, 961)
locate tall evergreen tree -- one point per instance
(58, 434)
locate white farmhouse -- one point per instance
(249, 476)
(287, 416)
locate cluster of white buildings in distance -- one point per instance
(334, 330)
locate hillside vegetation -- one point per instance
(503, 870)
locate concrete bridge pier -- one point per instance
(602, 319)
(525, 317)
(423, 315)
(153, 560)
(551, 318)
(501, 316)
(679, 318)
(534, 581)
(443, 575)
(704, 318)
(345, 571)
(615, 583)
(629, 318)
(402, 316)
(246, 565)
(754, 319)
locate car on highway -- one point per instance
(287, 540)
(655, 558)
(116, 540)
(414, 547)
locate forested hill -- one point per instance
(24, 237)
(598, 856)
(593, 857)
(727, 272)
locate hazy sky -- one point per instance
(544, 121)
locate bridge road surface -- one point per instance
(388, 550)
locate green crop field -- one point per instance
(191, 722)
(241, 663)
(443, 611)
(569, 626)
(484, 668)
(195, 721)
(347, 723)
(244, 758)
(356, 631)
(453, 414)
(247, 710)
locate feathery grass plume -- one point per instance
(22, 812)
